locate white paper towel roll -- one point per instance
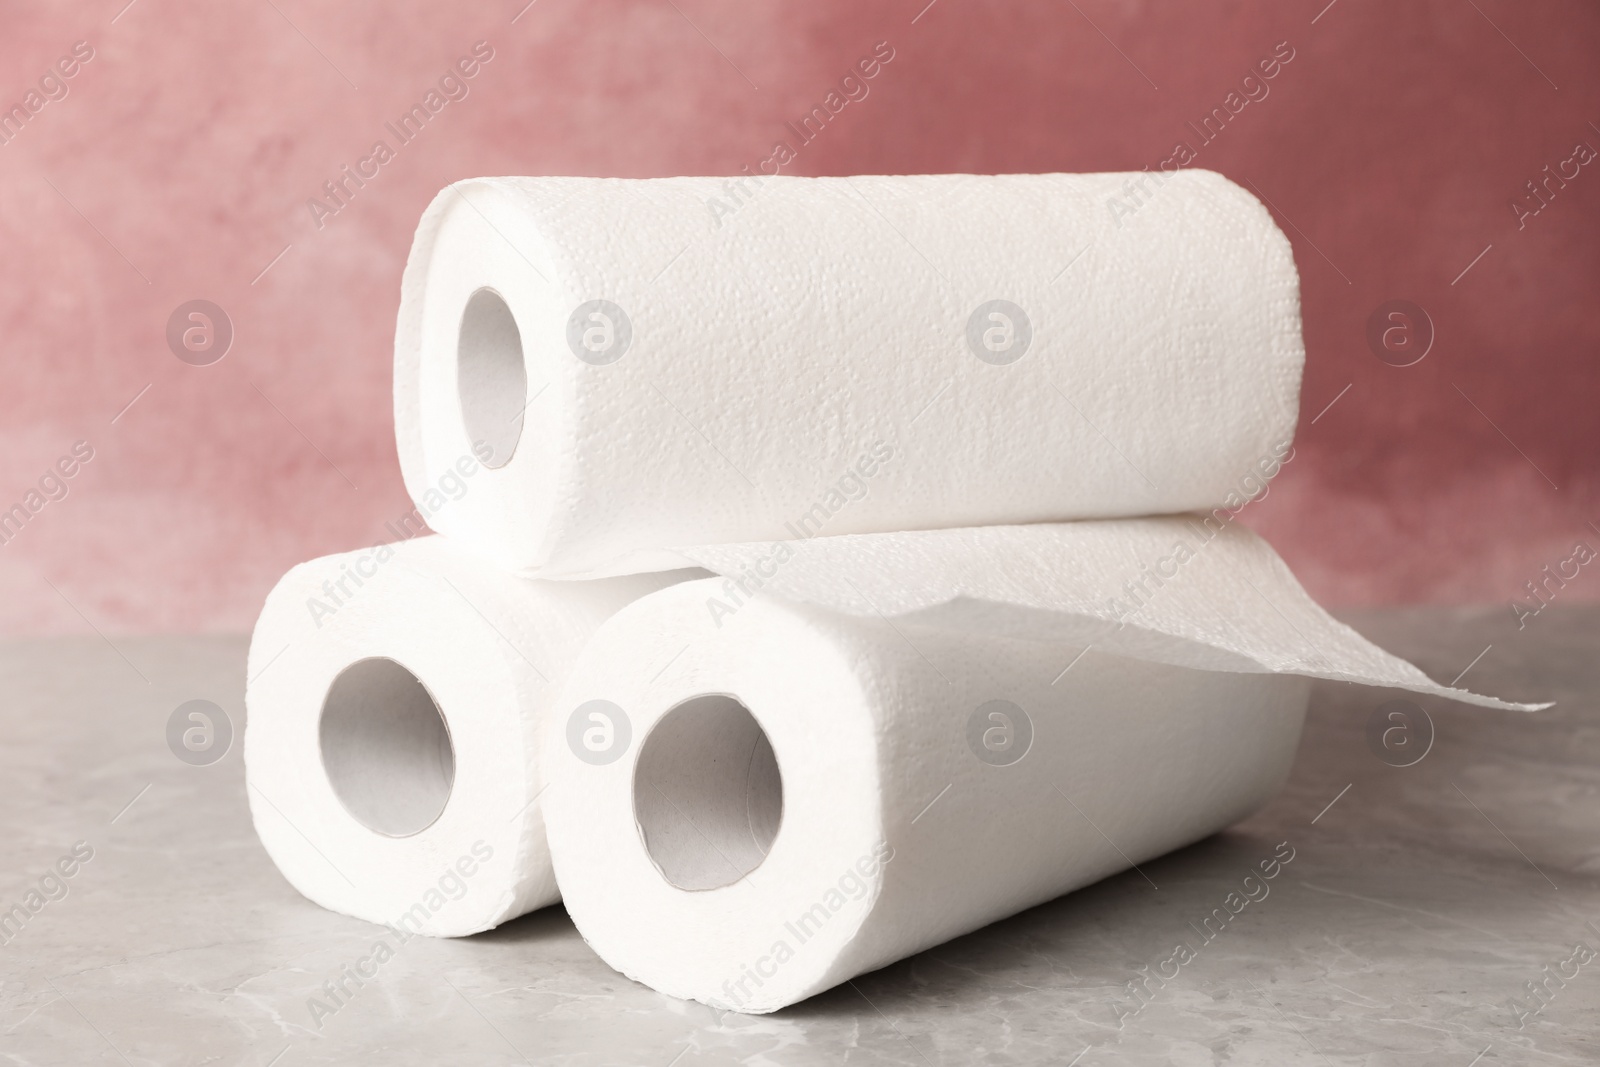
(838, 355)
(799, 796)
(395, 702)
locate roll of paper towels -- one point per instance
(797, 796)
(642, 368)
(395, 703)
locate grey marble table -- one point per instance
(1421, 903)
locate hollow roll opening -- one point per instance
(707, 795)
(491, 377)
(386, 748)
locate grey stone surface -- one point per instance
(1416, 908)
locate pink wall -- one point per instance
(180, 162)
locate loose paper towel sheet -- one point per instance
(395, 709)
(1189, 590)
(643, 368)
(808, 795)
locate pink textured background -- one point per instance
(182, 159)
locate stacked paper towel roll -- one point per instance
(817, 794)
(953, 660)
(397, 700)
(844, 355)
